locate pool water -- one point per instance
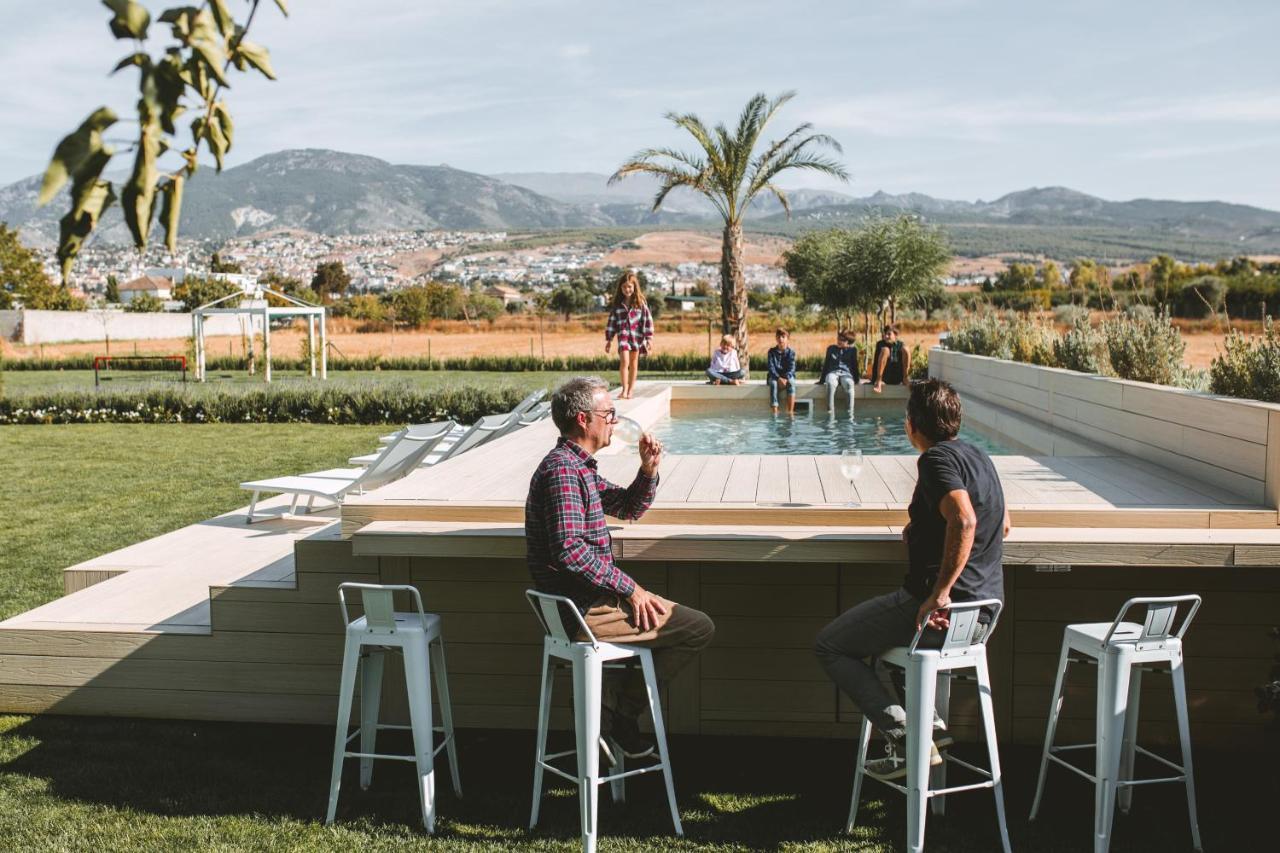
(876, 428)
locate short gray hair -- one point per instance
(572, 398)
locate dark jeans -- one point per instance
(847, 647)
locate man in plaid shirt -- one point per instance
(570, 553)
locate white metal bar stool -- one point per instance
(417, 636)
(1122, 650)
(929, 672)
(588, 659)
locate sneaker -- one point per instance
(894, 763)
(625, 733)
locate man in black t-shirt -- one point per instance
(955, 535)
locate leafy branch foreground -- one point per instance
(208, 42)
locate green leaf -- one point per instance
(138, 196)
(90, 196)
(256, 55)
(209, 45)
(74, 151)
(139, 59)
(170, 87)
(171, 210)
(226, 24)
(131, 19)
(283, 8)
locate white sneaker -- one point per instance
(894, 763)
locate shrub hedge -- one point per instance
(1138, 344)
(394, 403)
(664, 362)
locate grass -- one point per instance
(74, 492)
(100, 784)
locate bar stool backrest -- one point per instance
(378, 604)
(550, 610)
(1157, 626)
(963, 621)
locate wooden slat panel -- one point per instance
(171, 704)
(743, 477)
(710, 485)
(676, 487)
(205, 675)
(806, 485)
(774, 484)
(900, 483)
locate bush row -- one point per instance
(1249, 366)
(1138, 344)
(664, 362)
(393, 403)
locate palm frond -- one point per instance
(781, 196)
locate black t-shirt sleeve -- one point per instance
(939, 475)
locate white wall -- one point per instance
(52, 327)
(1228, 443)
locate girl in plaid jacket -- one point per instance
(632, 324)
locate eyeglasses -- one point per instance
(610, 415)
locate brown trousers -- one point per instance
(682, 632)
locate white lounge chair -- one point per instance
(525, 405)
(438, 430)
(396, 459)
(487, 428)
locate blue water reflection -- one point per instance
(876, 428)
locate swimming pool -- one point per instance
(876, 428)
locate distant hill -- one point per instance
(337, 193)
(326, 192)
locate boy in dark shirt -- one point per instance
(781, 361)
(891, 362)
(955, 535)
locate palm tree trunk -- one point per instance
(733, 292)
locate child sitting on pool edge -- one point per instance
(782, 372)
(725, 368)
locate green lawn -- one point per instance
(73, 492)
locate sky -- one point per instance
(963, 99)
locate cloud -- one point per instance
(575, 51)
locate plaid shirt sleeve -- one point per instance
(646, 330)
(630, 503)
(567, 527)
(611, 327)
(789, 364)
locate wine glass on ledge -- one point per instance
(850, 468)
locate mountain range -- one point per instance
(339, 193)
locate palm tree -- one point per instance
(730, 175)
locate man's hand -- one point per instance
(650, 454)
(782, 381)
(906, 534)
(939, 602)
(645, 608)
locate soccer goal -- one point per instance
(139, 368)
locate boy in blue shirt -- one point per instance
(840, 367)
(782, 373)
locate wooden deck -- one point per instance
(1092, 487)
(226, 621)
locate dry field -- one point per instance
(510, 336)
